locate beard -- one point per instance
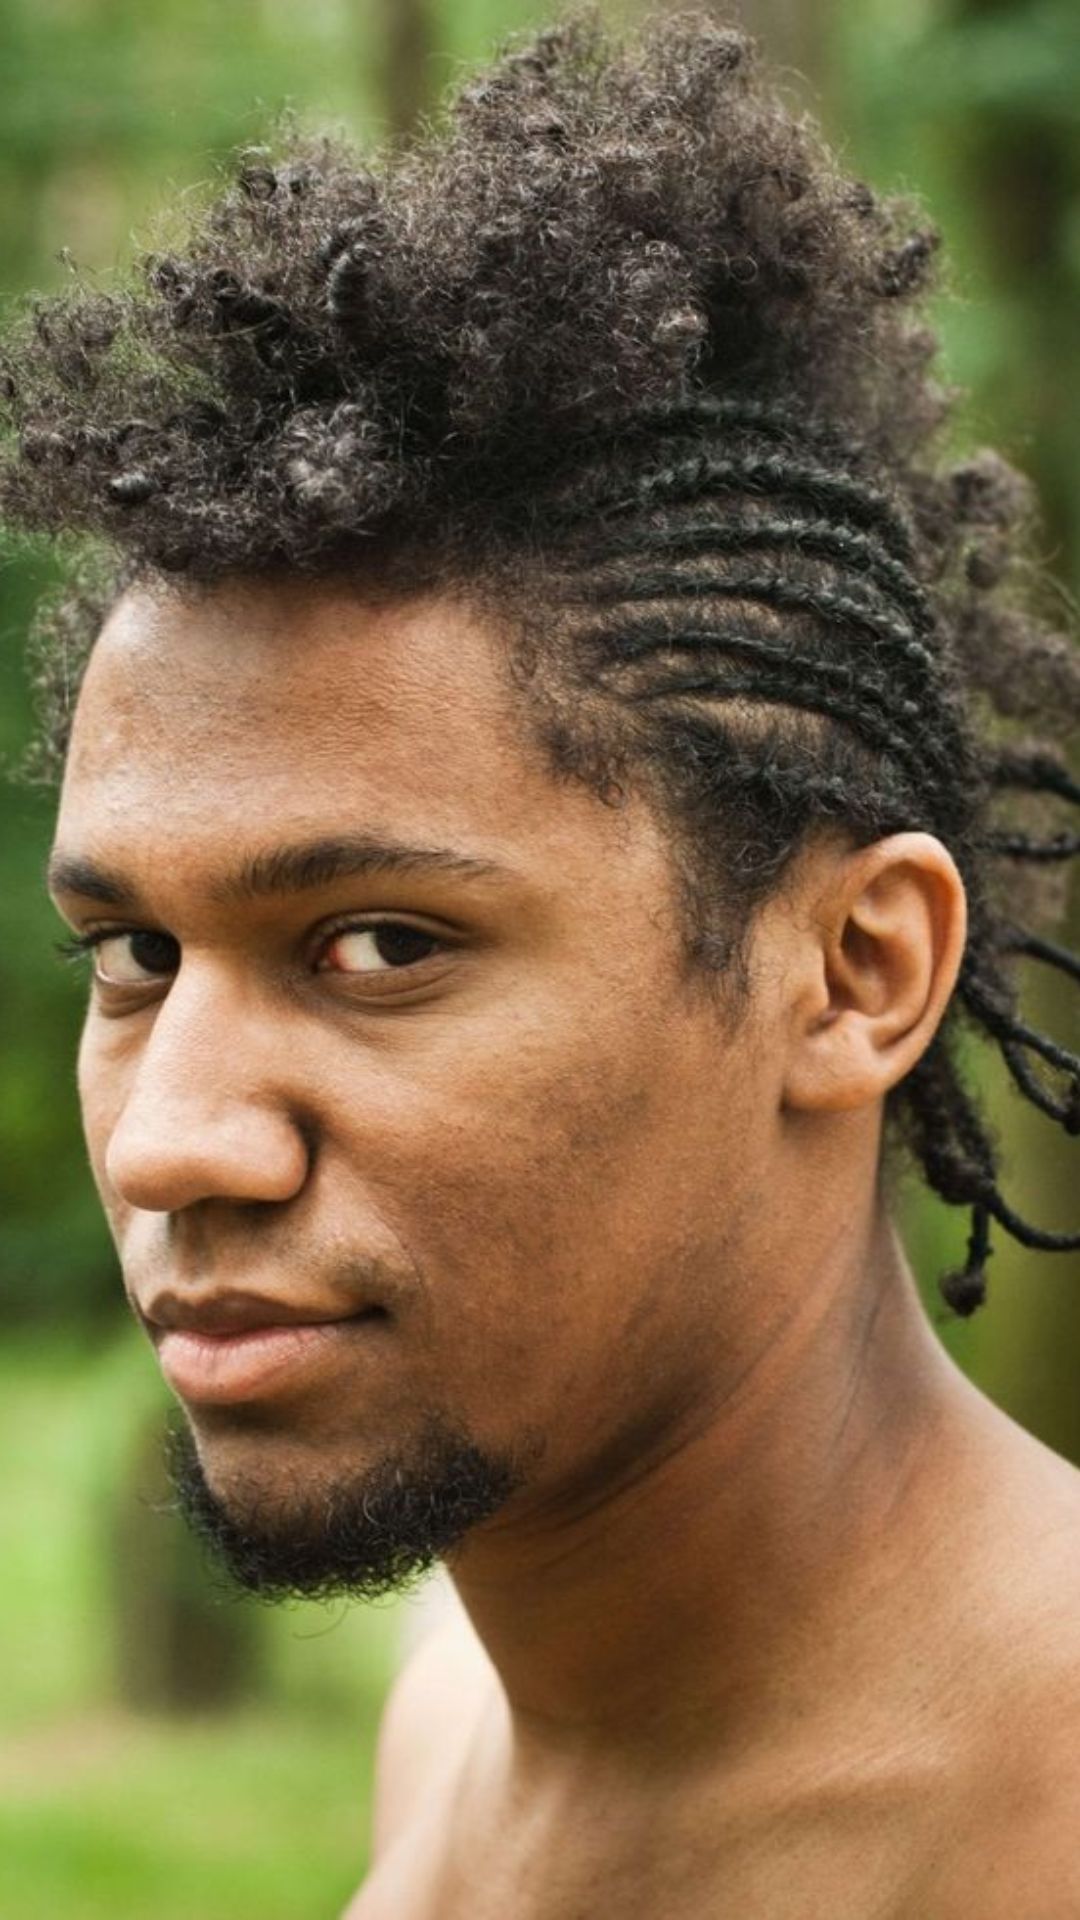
(374, 1532)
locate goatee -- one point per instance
(358, 1537)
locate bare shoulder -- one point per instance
(1021, 1808)
(1020, 1856)
(429, 1716)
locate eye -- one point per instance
(384, 947)
(131, 959)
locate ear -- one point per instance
(877, 957)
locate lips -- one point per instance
(233, 1346)
(232, 1310)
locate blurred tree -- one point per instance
(407, 65)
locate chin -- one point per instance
(290, 1522)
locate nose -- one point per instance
(205, 1116)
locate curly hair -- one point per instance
(617, 345)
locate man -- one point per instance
(536, 804)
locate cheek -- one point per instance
(561, 1220)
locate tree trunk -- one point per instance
(408, 42)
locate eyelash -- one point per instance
(78, 946)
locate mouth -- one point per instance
(239, 1348)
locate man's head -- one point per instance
(558, 498)
(395, 1031)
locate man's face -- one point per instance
(394, 1036)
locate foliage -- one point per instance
(114, 1820)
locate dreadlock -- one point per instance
(618, 346)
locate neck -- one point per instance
(748, 1562)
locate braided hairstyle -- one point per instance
(617, 347)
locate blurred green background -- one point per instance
(166, 1749)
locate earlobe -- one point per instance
(880, 955)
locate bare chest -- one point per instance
(681, 1870)
(882, 1856)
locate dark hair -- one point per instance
(616, 340)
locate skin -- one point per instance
(778, 1581)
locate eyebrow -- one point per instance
(280, 870)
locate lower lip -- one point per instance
(212, 1369)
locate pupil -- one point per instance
(401, 946)
(154, 952)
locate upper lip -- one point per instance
(232, 1312)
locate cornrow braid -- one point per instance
(1036, 773)
(1016, 941)
(863, 556)
(834, 625)
(790, 681)
(1066, 1110)
(704, 472)
(1020, 846)
(780, 590)
(787, 423)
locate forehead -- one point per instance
(270, 711)
(242, 674)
